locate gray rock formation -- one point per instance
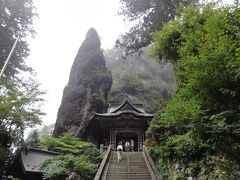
(86, 91)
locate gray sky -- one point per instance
(61, 28)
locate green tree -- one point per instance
(199, 130)
(16, 20)
(147, 17)
(33, 139)
(19, 94)
(19, 109)
(46, 130)
(76, 156)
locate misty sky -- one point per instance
(61, 28)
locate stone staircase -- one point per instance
(134, 169)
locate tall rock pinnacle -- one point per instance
(86, 91)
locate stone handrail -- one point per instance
(103, 163)
(128, 165)
(151, 165)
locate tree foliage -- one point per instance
(20, 96)
(46, 130)
(199, 130)
(33, 139)
(16, 20)
(19, 109)
(76, 156)
(147, 17)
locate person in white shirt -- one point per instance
(119, 151)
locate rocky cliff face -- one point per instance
(86, 91)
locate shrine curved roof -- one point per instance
(125, 108)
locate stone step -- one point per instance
(126, 171)
(124, 178)
(131, 173)
(119, 176)
(126, 175)
(119, 170)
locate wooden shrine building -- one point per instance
(121, 122)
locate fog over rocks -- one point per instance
(140, 78)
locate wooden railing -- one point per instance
(154, 173)
(103, 163)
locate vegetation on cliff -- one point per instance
(198, 133)
(141, 79)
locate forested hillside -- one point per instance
(140, 78)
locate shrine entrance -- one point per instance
(122, 123)
(123, 135)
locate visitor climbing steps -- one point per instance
(133, 169)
